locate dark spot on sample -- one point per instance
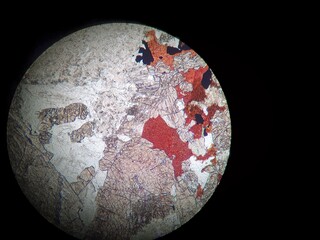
(146, 56)
(183, 46)
(132, 111)
(173, 50)
(198, 118)
(206, 79)
(160, 57)
(205, 132)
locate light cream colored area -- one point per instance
(88, 198)
(71, 158)
(180, 104)
(123, 137)
(196, 166)
(198, 146)
(208, 140)
(183, 62)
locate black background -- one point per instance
(237, 42)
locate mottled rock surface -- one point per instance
(119, 131)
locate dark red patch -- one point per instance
(197, 131)
(199, 191)
(194, 76)
(167, 139)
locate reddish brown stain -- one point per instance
(159, 51)
(214, 84)
(214, 161)
(197, 131)
(194, 76)
(167, 139)
(198, 94)
(199, 191)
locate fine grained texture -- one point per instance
(119, 131)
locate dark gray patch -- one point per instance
(133, 110)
